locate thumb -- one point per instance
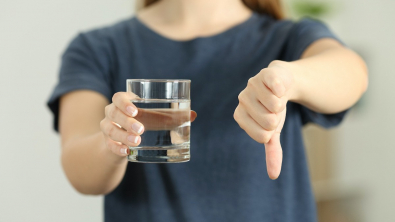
(193, 115)
(274, 156)
(274, 152)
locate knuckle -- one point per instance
(272, 122)
(236, 115)
(277, 106)
(107, 109)
(261, 74)
(270, 75)
(102, 124)
(276, 82)
(240, 96)
(111, 131)
(251, 81)
(238, 120)
(109, 144)
(275, 62)
(116, 96)
(115, 148)
(112, 113)
(263, 137)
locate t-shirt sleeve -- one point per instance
(84, 66)
(302, 35)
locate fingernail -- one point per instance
(137, 127)
(133, 139)
(131, 110)
(124, 150)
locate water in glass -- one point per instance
(166, 131)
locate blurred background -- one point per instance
(352, 166)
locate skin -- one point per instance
(328, 79)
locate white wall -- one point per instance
(34, 33)
(364, 156)
(366, 152)
(32, 36)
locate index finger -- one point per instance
(273, 82)
(122, 100)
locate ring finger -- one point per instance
(117, 134)
(251, 127)
(117, 147)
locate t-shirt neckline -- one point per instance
(228, 32)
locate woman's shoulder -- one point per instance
(106, 39)
(115, 30)
(287, 24)
(288, 29)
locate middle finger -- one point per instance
(259, 112)
(128, 123)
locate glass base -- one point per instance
(160, 154)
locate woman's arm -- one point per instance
(94, 146)
(89, 165)
(329, 78)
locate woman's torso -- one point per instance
(226, 178)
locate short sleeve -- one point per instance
(85, 65)
(324, 120)
(304, 33)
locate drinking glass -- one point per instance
(164, 108)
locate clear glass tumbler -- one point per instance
(164, 108)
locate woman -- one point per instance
(251, 71)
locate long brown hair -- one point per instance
(270, 7)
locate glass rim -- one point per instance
(158, 80)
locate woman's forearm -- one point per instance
(90, 166)
(329, 81)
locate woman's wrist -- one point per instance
(294, 92)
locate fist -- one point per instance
(262, 108)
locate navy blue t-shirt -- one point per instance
(226, 178)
